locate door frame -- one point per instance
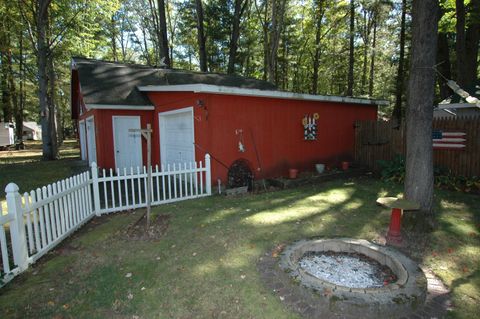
(161, 123)
(82, 135)
(93, 140)
(115, 141)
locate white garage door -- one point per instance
(127, 145)
(177, 136)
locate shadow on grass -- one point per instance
(204, 266)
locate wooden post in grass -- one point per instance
(147, 134)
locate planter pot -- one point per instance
(320, 168)
(292, 173)
(345, 165)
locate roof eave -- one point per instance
(216, 89)
(91, 106)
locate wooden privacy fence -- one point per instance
(380, 140)
(39, 220)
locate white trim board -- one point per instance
(217, 89)
(119, 107)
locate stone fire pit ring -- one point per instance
(396, 299)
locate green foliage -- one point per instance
(394, 171)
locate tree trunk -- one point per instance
(419, 155)
(21, 94)
(48, 149)
(397, 109)
(472, 42)
(52, 107)
(237, 15)
(372, 62)
(164, 51)
(278, 13)
(366, 38)
(201, 37)
(351, 60)
(460, 42)
(443, 65)
(113, 38)
(318, 32)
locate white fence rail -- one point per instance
(37, 221)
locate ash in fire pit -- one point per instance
(347, 269)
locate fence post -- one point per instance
(208, 175)
(96, 191)
(17, 226)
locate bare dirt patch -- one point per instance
(138, 230)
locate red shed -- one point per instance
(191, 113)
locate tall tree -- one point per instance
(351, 60)
(460, 42)
(47, 113)
(240, 6)
(419, 155)
(319, 11)
(399, 87)
(278, 14)
(202, 51)
(162, 20)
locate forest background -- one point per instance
(354, 48)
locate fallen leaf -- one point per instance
(128, 275)
(450, 250)
(465, 269)
(243, 276)
(130, 296)
(194, 254)
(51, 303)
(434, 254)
(66, 306)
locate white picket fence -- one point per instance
(37, 221)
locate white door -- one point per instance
(127, 145)
(83, 141)
(177, 136)
(91, 142)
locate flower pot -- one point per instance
(345, 165)
(320, 168)
(292, 173)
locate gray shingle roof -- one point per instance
(116, 83)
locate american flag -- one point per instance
(448, 140)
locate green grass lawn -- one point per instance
(28, 171)
(205, 264)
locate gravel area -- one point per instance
(347, 269)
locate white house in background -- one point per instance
(7, 134)
(32, 131)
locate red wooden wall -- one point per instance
(273, 126)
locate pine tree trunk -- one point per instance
(164, 51)
(318, 33)
(419, 155)
(48, 151)
(443, 65)
(351, 60)
(397, 109)
(201, 37)
(372, 61)
(237, 15)
(278, 13)
(20, 105)
(460, 42)
(472, 42)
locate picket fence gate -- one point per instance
(39, 220)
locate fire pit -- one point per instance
(355, 277)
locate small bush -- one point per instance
(394, 170)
